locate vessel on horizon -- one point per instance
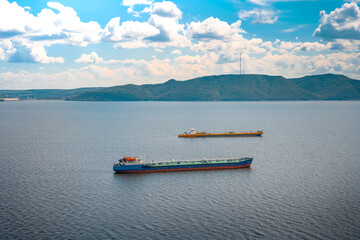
(193, 134)
(137, 165)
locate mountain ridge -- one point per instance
(227, 87)
(233, 87)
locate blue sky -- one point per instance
(69, 44)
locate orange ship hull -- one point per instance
(229, 134)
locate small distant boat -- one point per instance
(136, 165)
(194, 134)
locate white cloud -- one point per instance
(128, 31)
(344, 45)
(268, 2)
(259, 16)
(342, 23)
(176, 51)
(196, 66)
(214, 35)
(28, 54)
(291, 65)
(161, 30)
(6, 49)
(164, 9)
(171, 32)
(185, 67)
(165, 17)
(132, 3)
(30, 34)
(216, 46)
(302, 47)
(289, 30)
(136, 2)
(39, 54)
(102, 73)
(131, 44)
(64, 27)
(93, 57)
(213, 29)
(89, 76)
(2, 54)
(286, 47)
(14, 20)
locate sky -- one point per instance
(73, 43)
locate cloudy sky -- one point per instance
(69, 44)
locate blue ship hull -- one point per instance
(143, 168)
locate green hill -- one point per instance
(245, 87)
(53, 94)
(232, 87)
(330, 86)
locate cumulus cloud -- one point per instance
(67, 22)
(185, 67)
(164, 9)
(213, 28)
(165, 17)
(132, 3)
(131, 44)
(39, 54)
(216, 45)
(214, 35)
(176, 51)
(30, 54)
(171, 32)
(292, 65)
(342, 23)
(59, 24)
(344, 45)
(93, 57)
(128, 31)
(285, 47)
(30, 34)
(91, 76)
(162, 29)
(14, 20)
(268, 2)
(21, 54)
(259, 16)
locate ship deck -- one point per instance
(195, 162)
(227, 134)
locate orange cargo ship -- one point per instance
(194, 134)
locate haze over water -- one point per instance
(56, 178)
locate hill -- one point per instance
(245, 87)
(232, 87)
(330, 86)
(53, 94)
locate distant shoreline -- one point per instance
(231, 87)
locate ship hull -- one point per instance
(199, 135)
(141, 168)
(222, 135)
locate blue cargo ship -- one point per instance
(136, 165)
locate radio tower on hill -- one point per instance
(240, 63)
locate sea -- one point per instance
(57, 182)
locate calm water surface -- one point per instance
(56, 178)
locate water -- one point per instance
(56, 178)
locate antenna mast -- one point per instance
(240, 62)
